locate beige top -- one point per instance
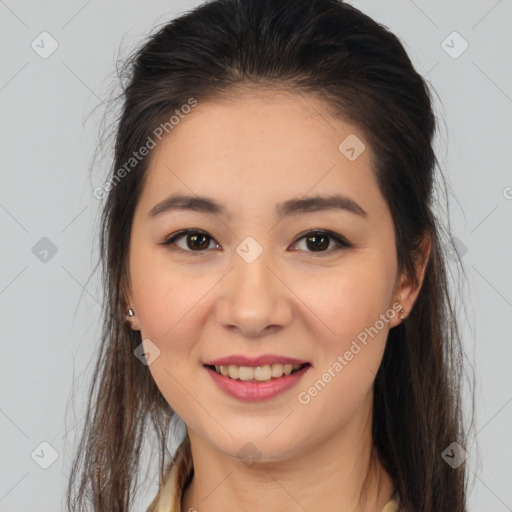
(177, 478)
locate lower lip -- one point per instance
(256, 391)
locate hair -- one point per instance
(361, 71)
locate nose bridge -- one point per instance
(252, 298)
(252, 277)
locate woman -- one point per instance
(275, 273)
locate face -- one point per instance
(249, 273)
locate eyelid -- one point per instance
(342, 242)
(175, 236)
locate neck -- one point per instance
(313, 479)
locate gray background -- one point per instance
(49, 304)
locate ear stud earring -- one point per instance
(402, 314)
(130, 312)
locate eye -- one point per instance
(195, 240)
(320, 242)
(317, 241)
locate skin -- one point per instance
(249, 154)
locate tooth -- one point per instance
(262, 372)
(259, 373)
(246, 373)
(233, 371)
(277, 370)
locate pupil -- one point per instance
(322, 244)
(197, 237)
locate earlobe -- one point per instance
(405, 297)
(132, 320)
(130, 315)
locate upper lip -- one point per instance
(242, 360)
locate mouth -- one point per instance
(260, 378)
(256, 374)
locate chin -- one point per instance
(261, 447)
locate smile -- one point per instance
(263, 373)
(256, 383)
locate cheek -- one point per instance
(349, 353)
(168, 303)
(163, 296)
(350, 302)
(345, 301)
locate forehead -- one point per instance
(261, 146)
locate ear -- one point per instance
(406, 290)
(133, 321)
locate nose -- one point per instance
(253, 299)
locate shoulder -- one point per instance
(393, 505)
(177, 475)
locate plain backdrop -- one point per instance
(50, 302)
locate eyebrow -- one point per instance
(207, 205)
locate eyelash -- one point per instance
(343, 243)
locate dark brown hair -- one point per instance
(364, 75)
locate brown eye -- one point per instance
(195, 241)
(319, 242)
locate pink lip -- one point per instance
(252, 391)
(262, 360)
